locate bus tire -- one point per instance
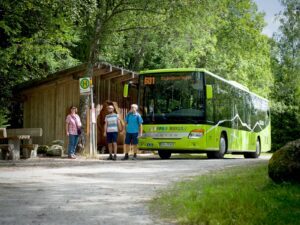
(256, 154)
(222, 149)
(164, 154)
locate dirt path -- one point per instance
(92, 192)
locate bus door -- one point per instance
(234, 136)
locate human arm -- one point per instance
(141, 130)
(67, 129)
(67, 125)
(120, 126)
(140, 126)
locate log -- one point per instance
(32, 132)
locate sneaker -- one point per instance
(115, 157)
(126, 157)
(72, 157)
(110, 157)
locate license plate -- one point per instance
(166, 144)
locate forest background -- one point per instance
(40, 37)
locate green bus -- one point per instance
(196, 111)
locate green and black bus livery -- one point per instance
(194, 110)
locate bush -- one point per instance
(3, 118)
(42, 149)
(285, 163)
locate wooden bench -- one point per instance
(14, 137)
(29, 150)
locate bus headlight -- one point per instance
(198, 133)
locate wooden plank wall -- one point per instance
(46, 107)
(116, 94)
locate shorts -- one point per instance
(111, 137)
(131, 138)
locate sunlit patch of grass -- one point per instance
(243, 195)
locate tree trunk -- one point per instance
(84, 105)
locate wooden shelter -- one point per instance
(46, 101)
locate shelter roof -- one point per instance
(105, 70)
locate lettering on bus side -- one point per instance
(168, 128)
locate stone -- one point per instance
(58, 142)
(55, 150)
(284, 166)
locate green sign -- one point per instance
(85, 85)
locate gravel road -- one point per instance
(88, 192)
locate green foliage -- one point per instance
(243, 195)
(35, 40)
(3, 118)
(222, 36)
(286, 72)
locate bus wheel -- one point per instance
(164, 154)
(255, 154)
(222, 149)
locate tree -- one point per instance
(109, 18)
(36, 37)
(286, 70)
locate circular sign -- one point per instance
(85, 86)
(85, 83)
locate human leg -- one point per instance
(134, 144)
(109, 144)
(127, 145)
(75, 144)
(115, 148)
(72, 145)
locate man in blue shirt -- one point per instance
(134, 129)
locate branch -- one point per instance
(137, 9)
(135, 28)
(114, 13)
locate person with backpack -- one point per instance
(134, 129)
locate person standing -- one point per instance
(111, 128)
(73, 126)
(134, 129)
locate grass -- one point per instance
(243, 195)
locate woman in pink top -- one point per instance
(73, 124)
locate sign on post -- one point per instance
(85, 86)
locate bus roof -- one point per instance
(230, 82)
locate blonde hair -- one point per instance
(134, 106)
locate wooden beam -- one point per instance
(124, 78)
(111, 75)
(101, 71)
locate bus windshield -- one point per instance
(172, 98)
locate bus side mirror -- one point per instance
(125, 90)
(209, 92)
